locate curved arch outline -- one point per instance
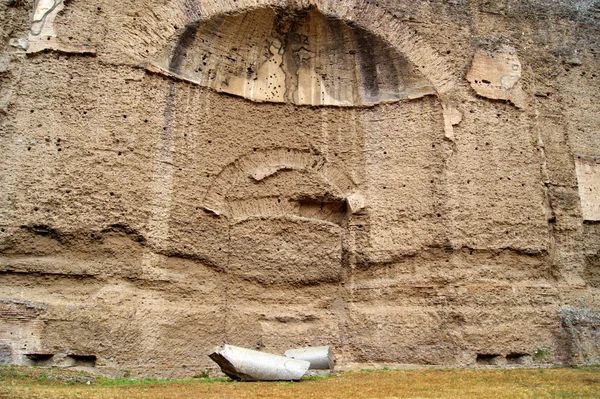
(361, 13)
(264, 163)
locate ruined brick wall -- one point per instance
(410, 182)
(21, 326)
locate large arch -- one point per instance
(422, 69)
(297, 56)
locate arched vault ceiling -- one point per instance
(296, 56)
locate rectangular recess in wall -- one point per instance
(588, 180)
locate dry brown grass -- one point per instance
(433, 383)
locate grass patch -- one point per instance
(577, 382)
(317, 377)
(119, 382)
(593, 368)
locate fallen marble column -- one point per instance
(320, 357)
(249, 365)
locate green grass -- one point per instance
(115, 382)
(317, 377)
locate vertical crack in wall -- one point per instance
(440, 192)
(557, 270)
(161, 186)
(225, 294)
(354, 239)
(548, 209)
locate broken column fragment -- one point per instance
(320, 357)
(249, 365)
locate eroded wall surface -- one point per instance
(410, 182)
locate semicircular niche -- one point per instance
(300, 56)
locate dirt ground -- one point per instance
(578, 382)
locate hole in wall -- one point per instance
(82, 360)
(323, 209)
(39, 359)
(518, 358)
(486, 359)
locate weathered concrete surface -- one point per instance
(151, 216)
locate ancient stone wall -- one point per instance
(408, 181)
